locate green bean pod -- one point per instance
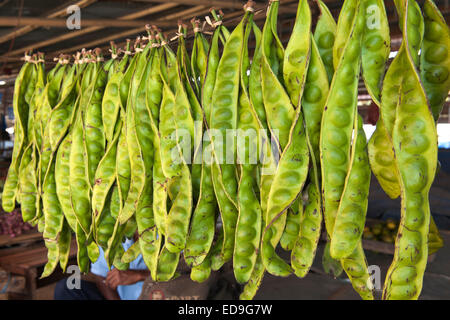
(225, 112)
(415, 143)
(123, 168)
(416, 25)
(305, 246)
(266, 154)
(105, 177)
(104, 226)
(223, 117)
(61, 116)
(178, 218)
(355, 265)
(54, 217)
(62, 177)
(118, 263)
(287, 184)
(149, 237)
(82, 252)
(202, 227)
(167, 265)
(111, 105)
(201, 272)
(191, 92)
(351, 214)
(199, 57)
(324, 36)
(296, 57)
(375, 47)
(254, 83)
(93, 133)
(52, 258)
(293, 166)
(20, 108)
(137, 164)
(64, 242)
(201, 234)
(132, 253)
(279, 110)
(80, 193)
(338, 122)
(292, 227)
(313, 103)
(159, 191)
(50, 96)
(344, 29)
(331, 266)
(248, 225)
(35, 107)
(211, 74)
(382, 160)
(434, 59)
(28, 183)
(251, 287)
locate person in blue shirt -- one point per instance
(105, 284)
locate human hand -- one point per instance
(117, 278)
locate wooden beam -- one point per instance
(220, 4)
(62, 23)
(184, 14)
(69, 35)
(60, 12)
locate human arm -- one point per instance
(107, 292)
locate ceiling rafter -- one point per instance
(62, 23)
(184, 14)
(60, 12)
(69, 35)
(228, 4)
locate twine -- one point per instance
(215, 24)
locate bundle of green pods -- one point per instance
(103, 150)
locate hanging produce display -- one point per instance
(221, 156)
